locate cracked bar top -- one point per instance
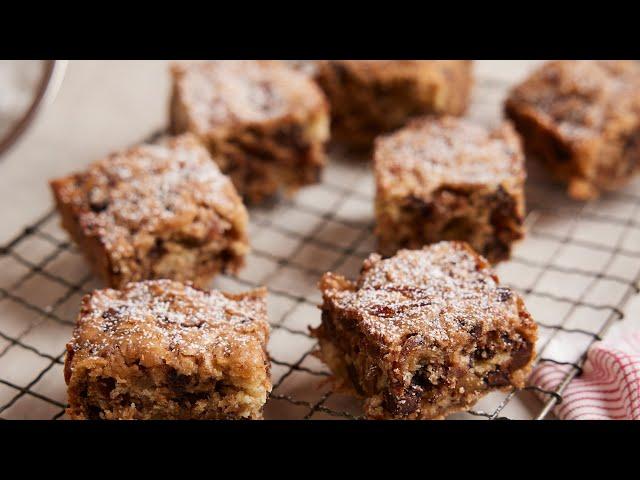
(151, 189)
(445, 292)
(431, 152)
(162, 322)
(581, 98)
(221, 94)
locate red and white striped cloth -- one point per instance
(607, 389)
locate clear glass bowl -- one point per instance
(27, 86)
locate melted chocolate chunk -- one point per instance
(106, 385)
(521, 356)
(112, 317)
(93, 412)
(497, 378)
(404, 404)
(476, 331)
(484, 353)
(561, 153)
(158, 249)
(191, 398)
(178, 380)
(427, 209)
(293, 136)
(420, 379)
(504, 294)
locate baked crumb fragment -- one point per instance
(449, 179)
(155, 211)
(424, 333)
(163, 350)
(265, 123)
(370, 97)
(581, 118)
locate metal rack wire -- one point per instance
(577, 269)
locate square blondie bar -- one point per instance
(425, 333)
(370, 97)
(582, 120)
(265, 123)
(449, 179)
(164, 350)
(155, 211)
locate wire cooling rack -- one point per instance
(577, 269)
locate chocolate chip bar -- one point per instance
(449, 179)
(370, 97)
(265, 123)
(425, 333)
(163, 350)
(155, 211)
(582, 120)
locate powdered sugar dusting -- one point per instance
(582, 98)
(439, 292)
(431, 152)
(168, 317)
(148, 189)
(219, 93)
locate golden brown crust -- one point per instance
(449, 179)
(265, 123)
(425, 333)
(369, 97)
(582, 118)
(160, 349)
(155, 211)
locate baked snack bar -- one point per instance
(265, 123)
(164, 350)
(449, 179)
(370, 97)
(155, 211)
(582, 119)
(425, 333)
